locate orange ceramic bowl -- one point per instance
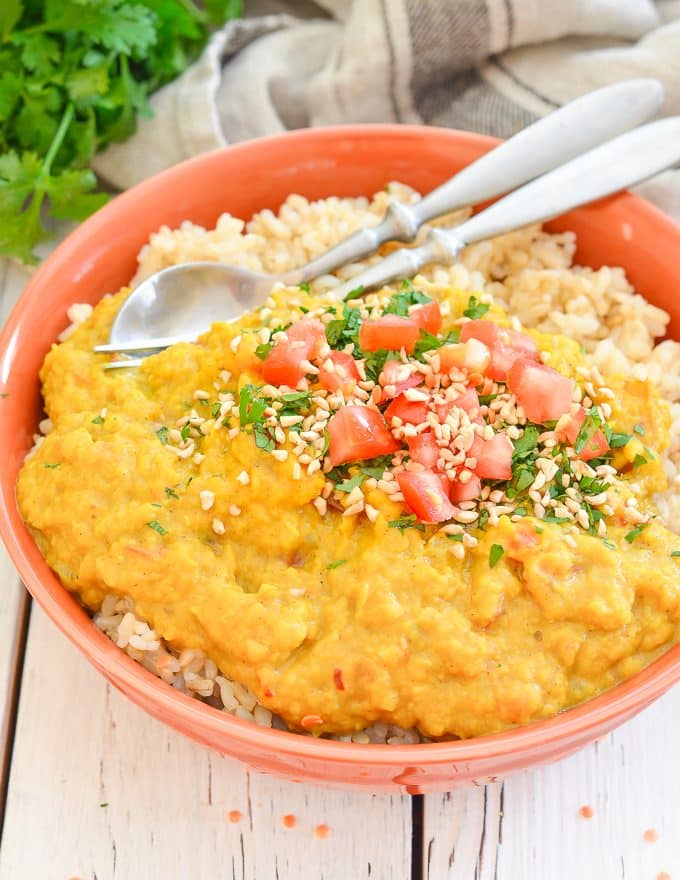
(100, 257)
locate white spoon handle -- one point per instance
(578, 126)
(624, 161)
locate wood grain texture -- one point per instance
(530, 825)
(13, 597)
(100, 790)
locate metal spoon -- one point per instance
(628, 159)
(181, 302)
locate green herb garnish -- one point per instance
(162, 434)
(591, 424)
(157, 527)
(495, 554)
(639, 428)
(185, 432)
(400, 303)
(457, 537)
(475, 309)
(337, 564)
(98, 420)
(351, 484)
(675, 554)
(608, 544)
(616, 441)
(263, 349)
(428, 342)
(74, 77)
(264, 437)
(342, 331)
(171, 492)
(633, 534)
(375, 362)
(639, 461)
(250, 407)
(483, 517)
(304, 286)
(52, 465)
(406, 522)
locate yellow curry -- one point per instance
(344, 591)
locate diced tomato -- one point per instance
(487, 332)
(423, 448)
(543, 393)
(358, 432)
(397, 375)
(283, 364)
(412, 411)
(505, 345)
(310, 331)
(425, 495)
(494, 458)
(390, 332)
(468, 402)
(338, 371)
(427, 317)
(595, 447)
(468, 491)
(472, 355)
(476, 448)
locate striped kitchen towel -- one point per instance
(491, 66)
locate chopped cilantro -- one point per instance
(157, 527)
(475, 309)
(216, 407)
(4, 394)
(264, 437)
(649, 453)
(495, 554)
(326, 443)
(376, 360)
(171, 492)
(185, 432)
(608, 544)
(675, 553)
(162, 434)
(355, 293)
(483, 518)
(342, 331)
(52, 465)
(304, 287)
(551, 518)
(633, 534)
(457, 537)
(400, 302)
(538, 530)
(337, 564)
(520, 511)
(590, 425)
(263, 349)
(429, 342)
(485, 399)
(376, 467)
(104, 804)
(351, 484)
(639, 428)
(98, 420)
(639, 460)
(526, 444)
(406, 522)
(250, 407)
(593, 485)
(616, 441)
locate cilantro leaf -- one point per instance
(495, 554)
(675, 554)
(409, 521)
(400, 302)
(351, 484)
(157, 527)
(250, 407)
(475, 309)
(590, 425)
(162, 434)
(337, 564)
(634, 533)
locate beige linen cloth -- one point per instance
(491, 66)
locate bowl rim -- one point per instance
(152, 692)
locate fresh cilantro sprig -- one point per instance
(475, 309)
(74, 77)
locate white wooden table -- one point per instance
(92, 788)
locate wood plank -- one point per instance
(530, 826)
(166, 802)
(13, 597)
